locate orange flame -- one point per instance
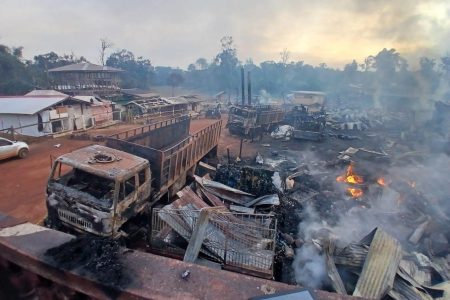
(381, 181)
(355, 193)
(350, 177)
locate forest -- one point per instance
(386, 73)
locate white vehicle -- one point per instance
(13, 148)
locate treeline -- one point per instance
(385, 73)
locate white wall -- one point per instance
(16, 120)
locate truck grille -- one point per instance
(72, 218)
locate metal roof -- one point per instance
(309, 93)
(28, 105)
(139, 93)
(93, 100)
(45, 93)
(85, 66)
(122, 165)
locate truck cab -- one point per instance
(97, 189)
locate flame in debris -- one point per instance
(350, 177)
(381, 181)
(355, 192)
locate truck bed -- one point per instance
(168, 146)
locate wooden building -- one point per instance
(86, 79)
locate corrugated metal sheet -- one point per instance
(85, 67)
(380, 267)
(45, 93)
(26, 105)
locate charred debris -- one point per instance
(362, 211)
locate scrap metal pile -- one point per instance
(211, 220)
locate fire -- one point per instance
(350, 177)
(355, 192)
(381, 181)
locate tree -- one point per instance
(225, 65)
(175, 79)
(284, 56)
(14, 76)
(105, 44)
(139, 71)
(191, 68)
(201, 63)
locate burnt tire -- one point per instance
(23, 153)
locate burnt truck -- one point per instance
(309, 124)
(100, 189)
(251, 121)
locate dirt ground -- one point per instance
(23, 181)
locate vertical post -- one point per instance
(249, 89)
(243, 86)
(240, 150)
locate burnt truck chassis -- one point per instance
(155, 171)
(307, 125)
(253, 120)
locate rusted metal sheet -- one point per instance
(152, 277)
(120, 166)
(225, 192)
(380, 266)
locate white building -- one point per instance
(35, 115)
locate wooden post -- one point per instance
(197, 237)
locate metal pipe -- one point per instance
(243, 85)
(240, 149)
(249, 89)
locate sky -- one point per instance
(177, 32)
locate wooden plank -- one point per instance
(333, 274)
(197, 237)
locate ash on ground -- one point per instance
(97, 257)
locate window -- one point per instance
(5, 142)
(142, 177)
(61, 170)
(126, 188)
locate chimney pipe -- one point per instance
(249, 89)
(243, 86)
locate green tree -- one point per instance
(139, 71)
(14, 76)
(225, 65)
(175, 79)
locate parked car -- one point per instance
(13, 148)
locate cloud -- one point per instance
(178, 32)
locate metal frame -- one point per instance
(239, 241)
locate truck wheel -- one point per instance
(23, 153)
